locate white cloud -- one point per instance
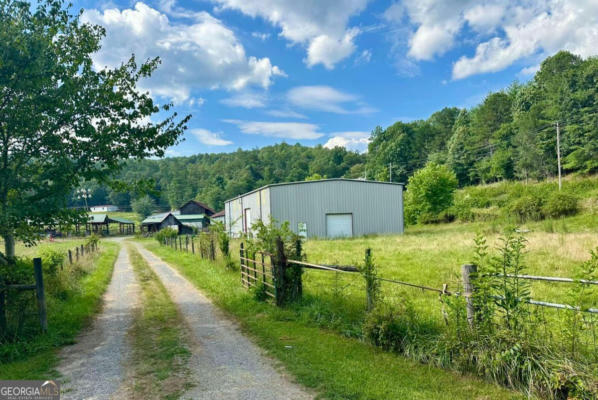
(246, 100)
(504, 32)
(328, 50)
(285, 114)
(286, 130)
(260, 35)
(364, 58)
(319, 25)
(201, 54)
(210, 138)
(542, 29)
(326, 98)
(353, 140)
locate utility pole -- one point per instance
(390, 170)
(558, 151)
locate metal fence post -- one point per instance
(467, 270)
(39, 290)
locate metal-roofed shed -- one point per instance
(324, 208)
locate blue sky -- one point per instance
(258, 72)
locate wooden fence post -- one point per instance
(180, 243)
(82, 251)
(263, 268)
(70, 256)
(241, 256)
(39, 290)
(201, 246)
(279, 272)
(76, 253)
(467, 270)
(187, 243)
(370, 283)
(192, 246)
(212, 248)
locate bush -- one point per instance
(143, 206)
(386, 327)
(51, 260)
(164, 234)
(525, 208)
(560, 204)
(429, 193)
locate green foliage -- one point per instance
(52, 260)
(388, 326)
(64, 121)
(560, 204)
(143, 206)
(429, 192)
(164, 234)
(372, 284)
(526, 208)
(92, 240)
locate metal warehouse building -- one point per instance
(324, 208)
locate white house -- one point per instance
(103, 208)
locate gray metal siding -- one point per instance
(259, 204)
(376, 207)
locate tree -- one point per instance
(62, 122)
(143, 206)
(429, 192)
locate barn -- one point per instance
(324, 208)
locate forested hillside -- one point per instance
(510, 135)
(213, 178)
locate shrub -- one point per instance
(560, 204)
(386, 327)
(51, 260)
(164, 234)
(525, 208)
(143, 206)
(429, 192)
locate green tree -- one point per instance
(429, 192)
(62, 122)
(143, 206)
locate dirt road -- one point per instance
(226, 363)
(93, 368)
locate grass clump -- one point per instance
(159, 335)
(73, 295)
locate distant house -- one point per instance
(322, 208)
(218, 217)
(190, 217)
(104, 208)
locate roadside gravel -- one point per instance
(226, 364)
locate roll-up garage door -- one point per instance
(339, 225)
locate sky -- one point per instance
(258, 72)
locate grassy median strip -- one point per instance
(335, 366)
(67, 315)
(159, 336)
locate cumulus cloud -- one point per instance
(328, 99)
(353, 140)
(203, 53)
(246, 100)
(285, 130)
(504, 32)
(285, 114)
(319, 25)
(210, 138)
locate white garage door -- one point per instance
(339, 225)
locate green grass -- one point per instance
(33, 251)
(160, 351)
(334, 365)
(36, 357)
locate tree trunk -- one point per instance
(9, 247)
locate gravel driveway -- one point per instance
(226, 364)
(93, 367)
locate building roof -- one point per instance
(155, 218)
(199, 203)
(218, 214)
(318, 181)
(190, 217)
(105, 219)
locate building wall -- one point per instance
(376, 207)
(258, 202)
